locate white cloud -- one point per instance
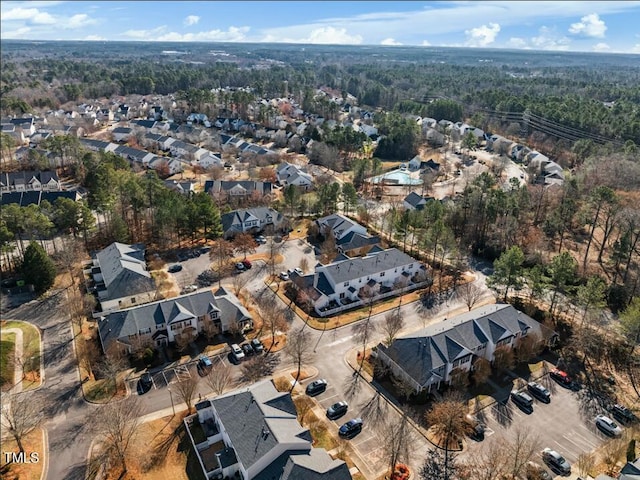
(322, 35)
(590, 26)
(160, 34)
(482, 36)
(330, 35)
(517, 42)
(78, 21)
(18, 33)
(94, 38)
(30, 15)
(548, 39)
(635, 48)
(390, 41)
(191, 20)
(601, 47)
(232, 34)
(425, 43)
(145, 34)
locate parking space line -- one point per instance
(165, 378)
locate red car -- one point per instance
(561, 377)
(247, 264)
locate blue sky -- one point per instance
(612, 26)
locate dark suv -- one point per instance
(337, 410)
(351, 428)
(622, 413)
(316, 387)
(539, 392)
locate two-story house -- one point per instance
(426, 358)
(339, 226)
(254, 434)
(168, 320)
(30, 181)
(353, 282)
(122, 134)
(239, 189)
(289, 174)
(120, 276)
(252, 220)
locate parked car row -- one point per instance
(347, 430)
(239, 353)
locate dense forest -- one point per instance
(595, 94)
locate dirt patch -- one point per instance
(279, 341)
(303, 375)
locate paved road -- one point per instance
(60, 395)
(68, 427)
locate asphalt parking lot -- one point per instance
(367, 443)
(565, 425)
(166, 377)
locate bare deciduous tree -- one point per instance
(393, 323)
(585, 463)
(219, 377)
(186, 389)
(116, 423)
(110, 367)
(447, 420)
(521, 448)
(470, 294)
(528, 347)
(20, 416)
(299, 349)
(503, 358)
(256, 368)
(398, 438)
(481, 370)
(272, 316)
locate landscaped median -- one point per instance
(31, 359)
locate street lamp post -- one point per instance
(172, 405)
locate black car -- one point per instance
(622, 413)
(175, 268)
(145, 383)
(316, 387)
(257, 345)
(539, 392)
(351, 428)
(247, 349)
(337, 410)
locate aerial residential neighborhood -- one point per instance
(330, 257)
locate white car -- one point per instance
(237, 352)
(284, 276)
(608, 426)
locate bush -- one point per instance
(631, 450)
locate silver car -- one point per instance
(608, 426)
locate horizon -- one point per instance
(570, 26)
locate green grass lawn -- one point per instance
(7, 344)
(30, 351)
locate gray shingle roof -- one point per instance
(119, 325)
(237, 217)
(371, 264)
(256, 424)
(420, 354)
(315, 465)
(124, 270)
